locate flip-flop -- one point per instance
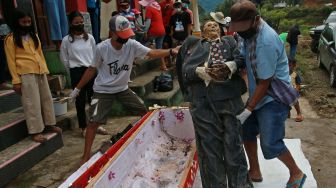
(299, 182)
(83, 132)
(39, 138)
(257, 179)
(102, 131)
(53, 128)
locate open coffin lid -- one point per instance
(159, 151)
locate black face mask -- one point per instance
(121, 41)
(25, 29)
(78, 28)
(248, 33)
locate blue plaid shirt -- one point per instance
(271, 59)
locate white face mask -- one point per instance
(178, 9)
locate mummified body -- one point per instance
(209, 73)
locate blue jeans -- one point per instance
(292, 52)
(158, 41)
(57, 19)
(95, 21)
(269, 122)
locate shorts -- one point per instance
(269, 122)
(102, 104)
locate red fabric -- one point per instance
(79, 5)
(231, 33)
(167, 11)
(156, 27)
(191, 173)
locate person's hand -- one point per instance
(145, 37)
(74, 94)
(219, 72)
(244, 115)
(175, 50)
(17, 88)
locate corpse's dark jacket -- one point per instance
(195, 52)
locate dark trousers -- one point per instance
(219, 144)
(95, 21)
(4, 73)
(85, 93)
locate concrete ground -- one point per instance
(317, 136)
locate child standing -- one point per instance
(29, 71)
(296, 83)
(76, 53)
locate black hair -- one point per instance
(71, 17)
(17, 32)
(114, 13)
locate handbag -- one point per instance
(283, 92)
(163, 82)
(280, 90)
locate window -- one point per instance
(328, 34)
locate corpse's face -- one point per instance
(211, 30)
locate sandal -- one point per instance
(39, 138)
(53, 128)
(102, 131)
(299, 118)
(298, 182)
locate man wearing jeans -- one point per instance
(265, 57)
(113, 61)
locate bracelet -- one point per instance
(249, 106)
(171, 52)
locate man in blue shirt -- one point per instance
(265, 58)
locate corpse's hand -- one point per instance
(244, 115)
(219, 72)
(201, 73)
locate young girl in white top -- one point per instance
(76, 53)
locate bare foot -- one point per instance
(299, 118)
(84, 160)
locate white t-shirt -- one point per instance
(115, 66)
(78, 53)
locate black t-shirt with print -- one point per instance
(179, 22)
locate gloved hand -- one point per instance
(200, 71)
(244, 115)
(74, 94)
(219, 72)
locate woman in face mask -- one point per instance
(76, 53)
(29, 71)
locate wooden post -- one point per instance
(197, 28)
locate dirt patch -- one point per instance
(316, 80)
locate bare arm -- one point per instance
(163, 53)
(189, 29)
(259, 93)
(88, 75)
